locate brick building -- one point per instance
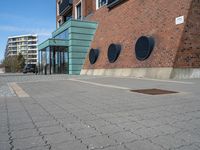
(157, 39)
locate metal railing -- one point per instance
(64, 5)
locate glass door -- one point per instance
(59, 61)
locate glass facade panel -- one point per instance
(47, 67)
(64, 35)
(66, 63)
(53, 60)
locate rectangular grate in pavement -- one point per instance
(154, 91)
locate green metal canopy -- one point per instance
(53, 42)
(76, 37)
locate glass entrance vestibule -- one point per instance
(66, 51)
(53, 60)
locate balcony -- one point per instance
(65, 6)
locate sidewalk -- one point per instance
(85, 113)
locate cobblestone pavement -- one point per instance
(85, 113)
(5, 79)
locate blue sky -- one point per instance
(26, 17)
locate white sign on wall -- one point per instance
(179, 20)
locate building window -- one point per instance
(78, 11)
(100, 3)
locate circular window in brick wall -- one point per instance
(113, 52)
(93, 55)
(144, 47)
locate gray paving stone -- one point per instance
(62, 115)
(167, 129)
(75, 145)
(24, 126)
(97, 123)
(4, 146)
(99, 142)
(51, 130)
(59, 138)
(88, 117)
(27, 143)
(3, 129)
(143, 145)
(151, 122)
(184, 125)
(4, 137)
(110, 129)
(197, 144)
(47, 123)
(195, 131)
(148, 132)
(119, 120)
(190, 147)
(21, 134)
(39, 148)
(3, 117)
(42, 118)
(169, 142)
(188, 136)
(132, 126)
(85, 133)
(5, 91)
(125, 137)
(88, 111)
(74, 126)
(3, 124)
(20, 121)
(117, 147)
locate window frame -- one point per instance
(76, 14)
(98, 6)
(58, 6)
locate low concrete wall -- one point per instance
(157, 73)
(187, 73)
(160, 73)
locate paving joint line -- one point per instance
(99, 84)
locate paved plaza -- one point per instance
(61, 112)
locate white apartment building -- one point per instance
(24, 44)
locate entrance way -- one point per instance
(53, 60)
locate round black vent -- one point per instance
(113, 52)
(144, 47)
(93, 55)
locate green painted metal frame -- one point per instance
(81, 34)
(53, 42)
(74, 23)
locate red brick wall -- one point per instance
(176, 45)
(125, 23)
(188, 54)
(87, 7)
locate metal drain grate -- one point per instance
(153, 91)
